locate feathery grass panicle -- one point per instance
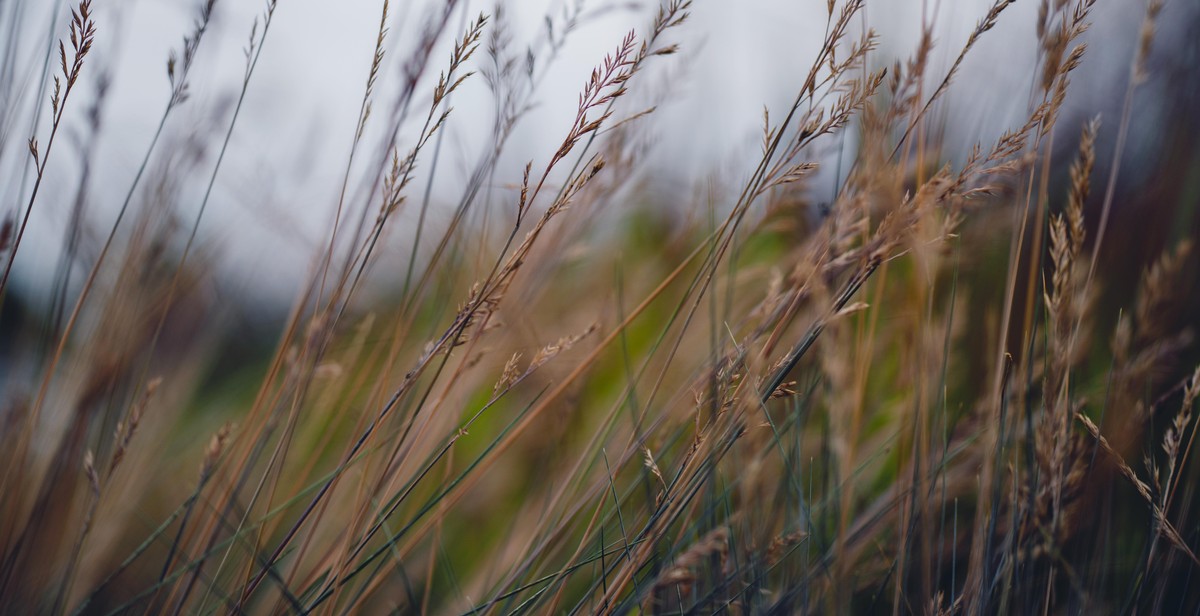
(1173, 438)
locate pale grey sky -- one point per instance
(289, 150)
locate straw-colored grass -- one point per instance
(924, 396)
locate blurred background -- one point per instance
(279, 186)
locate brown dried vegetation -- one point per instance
(537, 422)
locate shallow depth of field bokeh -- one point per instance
(441, 320)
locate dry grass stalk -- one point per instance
(1145, 40)
(127, 427)
(1060, 454)
(1162, 525)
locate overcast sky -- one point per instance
(281, 178)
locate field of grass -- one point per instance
(965, 385)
